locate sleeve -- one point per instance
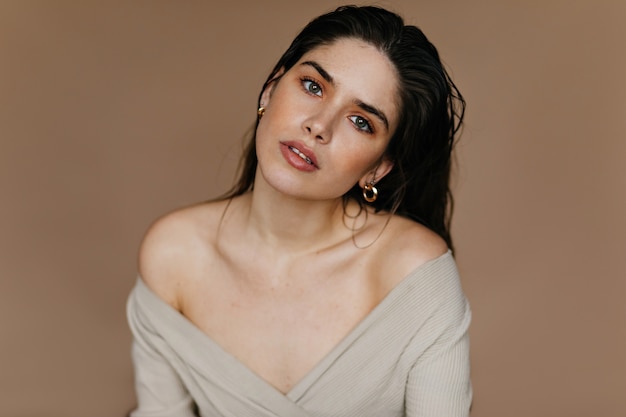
(159, 389)
(439, 382)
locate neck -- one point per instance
(285, 224)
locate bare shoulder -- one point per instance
(176, 245)
(407, 246)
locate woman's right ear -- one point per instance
(269, 87)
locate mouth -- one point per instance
(301, 155)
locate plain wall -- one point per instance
(112, 113)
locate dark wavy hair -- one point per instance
(431, 113)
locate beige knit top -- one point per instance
(408, 357)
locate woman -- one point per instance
(323, 284)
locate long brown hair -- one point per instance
(431, 113)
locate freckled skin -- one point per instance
(280, 262)
(303, 106)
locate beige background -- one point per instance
(114, 113)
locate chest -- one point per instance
(279, 323)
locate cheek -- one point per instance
(359, 163)
(283, 97)
(359, 153)
(278, 114)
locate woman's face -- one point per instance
(328, 121)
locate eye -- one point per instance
(312, 87)
(362, 124)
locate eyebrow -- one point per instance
(366, 107)
(376, 112)
(325, 75)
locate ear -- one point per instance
(266, 95)
(378, 172)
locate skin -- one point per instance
(329, 119)
(275, 277)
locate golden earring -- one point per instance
(260, 112)
(370, 193)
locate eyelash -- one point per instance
(368, 129)
(368, 126)
(311, 81)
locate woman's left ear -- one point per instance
(383, 168)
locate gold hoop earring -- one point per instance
(370, 193)
(260, 112)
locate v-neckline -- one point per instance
(242, 374)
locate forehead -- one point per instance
(360, 70)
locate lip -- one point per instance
(296, 160)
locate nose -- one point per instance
(319, 125)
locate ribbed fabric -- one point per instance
(408, 357)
